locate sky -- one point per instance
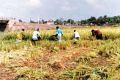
(54, 9)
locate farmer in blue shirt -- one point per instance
(59, 33)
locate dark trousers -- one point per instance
(33, 42)
(77, 38)
(99, 37)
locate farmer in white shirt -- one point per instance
(76, 35)
(36, 36)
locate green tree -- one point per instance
(91, 20)
(58, 22)
(70, 21)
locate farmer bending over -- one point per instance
(36, 36)
(59, 33)
(20, 36)
(97, 34)
(76, 35)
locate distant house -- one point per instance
(50, 22)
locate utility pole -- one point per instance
(70, 22)
(38, 20)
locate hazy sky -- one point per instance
(52, 9)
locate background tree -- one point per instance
(58, 22)
(91, 20)
(70, 21)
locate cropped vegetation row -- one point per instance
(85, 34)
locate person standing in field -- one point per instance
(20, 36)
(59, 33)
(76, 35)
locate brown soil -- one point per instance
(65, 60)
(6, 73)
(52, 62)
(101, 61)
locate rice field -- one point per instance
(85, 59)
